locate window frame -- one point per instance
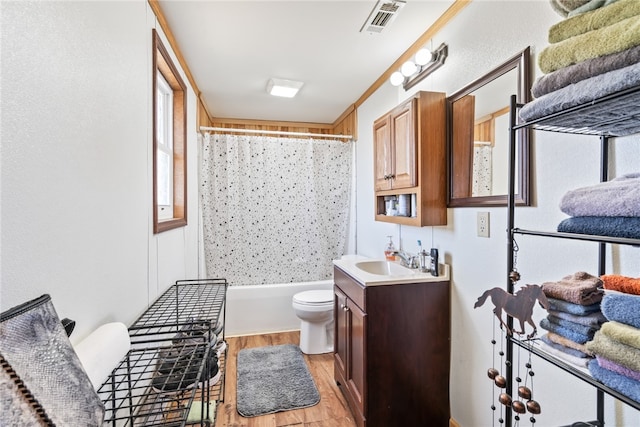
(163, 64)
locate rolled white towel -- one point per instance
(102, 350)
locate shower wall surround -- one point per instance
(275, 210)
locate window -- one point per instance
(169, 142)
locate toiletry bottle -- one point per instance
(423, 258)
(389, 252)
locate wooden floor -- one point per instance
(332, 411)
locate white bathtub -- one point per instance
(258, 309)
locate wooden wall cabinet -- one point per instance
(392, 351)
(410, 159)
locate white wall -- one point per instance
(482, 36)
(77, 163)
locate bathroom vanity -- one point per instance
(392, 343)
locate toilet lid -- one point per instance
(316, 297)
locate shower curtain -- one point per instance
(275, 210)
(482, 169)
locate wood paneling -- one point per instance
(347, 123)
(318, 128)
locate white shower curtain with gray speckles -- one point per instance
(275, 210)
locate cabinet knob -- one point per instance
(345, 308)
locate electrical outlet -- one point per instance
(483, 224)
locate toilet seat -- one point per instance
(314, 298)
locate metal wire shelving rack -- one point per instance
(596, 118)
(146, 390)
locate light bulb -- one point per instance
(408, 68)
(423, 56)
(396, 78)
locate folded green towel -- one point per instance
(622, 333)
(613, 38)
(593, 20)
(622, 354)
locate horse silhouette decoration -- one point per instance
(519, 306)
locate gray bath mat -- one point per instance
(273, 379)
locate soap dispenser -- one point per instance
(390, 250)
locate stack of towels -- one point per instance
(609, 208)
(574, 317)
(617, 344)
(594, 52)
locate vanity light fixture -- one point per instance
(424, 63)
(284, 88)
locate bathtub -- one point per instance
(259, 309)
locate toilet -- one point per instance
(315, 311)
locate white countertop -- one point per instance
(348, 264)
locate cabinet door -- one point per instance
(403, 137)
(341, 332)
(382, 153)
(356, 368)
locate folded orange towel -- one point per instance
(616, 282)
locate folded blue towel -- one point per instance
(575, 327)
(617, 197)
(564, 349)
(625, 385)
(569, 307)
(617, 226)
(623, 308)
(565, 332)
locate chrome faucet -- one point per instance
(408, 260)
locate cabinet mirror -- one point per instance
(478, 137)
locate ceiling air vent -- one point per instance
(382, 15)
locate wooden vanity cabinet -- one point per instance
(392, 351)
(395, 148)
(410, 159)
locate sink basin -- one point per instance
(383, 268)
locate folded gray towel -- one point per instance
(584, 70)
(563, 7)
(618, 197)
(575, 327)
(586, 91)
(588, 6)
(592, 319)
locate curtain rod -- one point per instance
(275, 132)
